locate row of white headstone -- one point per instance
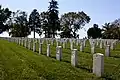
(108, 45)
(98, 58)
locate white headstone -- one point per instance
(40, 48)
(101, 44)
(74, 59)
(52, 41)
(64, 44)
(29, 45)
(105, 43)
(59, 53)
(22, 42)
(82, 46)
(97, 42)
(77, 42)
(25, 43)
(98, 64)
(112, 45)
(48, 50)
(84, 43)
(71, 45)
(19, 41)
(93, 48)
(57, 43)
(107, 51)
(34, 46)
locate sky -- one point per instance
(100, 11)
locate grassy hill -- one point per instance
(19, 63)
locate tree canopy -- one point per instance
(111, 31)
(94, 32)
(44, 23)
(53, 19)
(72, 21)
(18, 24)
(34, 22)
(4, 15)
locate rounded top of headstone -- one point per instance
(48, 44)
(74, 49)
(60, 46)
(100, 54)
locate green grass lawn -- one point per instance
(19, 63)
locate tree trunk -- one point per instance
(53, 34)
(45, 34)
(48, 35)
(74, 34)
(34, 32)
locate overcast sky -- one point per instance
(100, 11)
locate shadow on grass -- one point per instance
(86, 69)
(66, 61)
(115, 56)
(68, 48)
(40, 53)
(45, 54)
(87, 52)
(116, 49)
(107, 77)
(53, 57)
(67, 52)
(37, 51)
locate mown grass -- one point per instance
(19, 63)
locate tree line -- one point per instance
(48, 23)
(109, 30)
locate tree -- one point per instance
(94, 32)
(18, 24)
(4, 15)
(72, 22)
(53, 19)
(66, 32)
(34, 22)
(44, 23)
(111, 31)
(106, 30)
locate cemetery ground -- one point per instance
(19, 63)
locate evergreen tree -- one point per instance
(34, 22)
(44, 23)
(53, 19)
